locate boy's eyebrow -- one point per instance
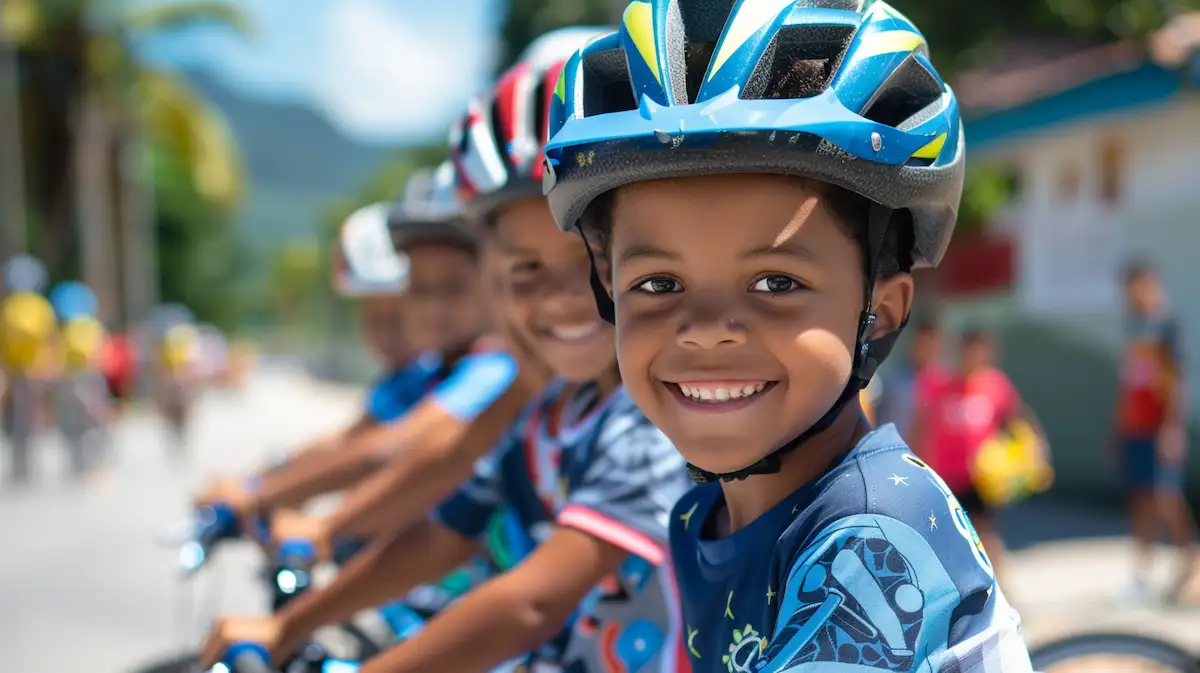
(791, 249)
(647, 252)
(517, 250)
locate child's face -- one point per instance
(445, 302)
(977, 354)
(546, 273)
(383, 329)
(741, 291)
(1144, 293)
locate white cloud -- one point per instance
(382, 75)
(380, 70)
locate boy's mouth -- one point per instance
(719, 395)
(574, 332)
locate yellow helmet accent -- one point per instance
(82, 339)
(26, 323)
(179, 345)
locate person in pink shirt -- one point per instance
(956, 413)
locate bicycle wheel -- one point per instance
(1114, 652)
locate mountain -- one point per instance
(296, 162)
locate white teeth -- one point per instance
(570, 332)
(721, 394)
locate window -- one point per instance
(1112, 171)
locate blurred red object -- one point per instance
(118, 363)
(976, 263)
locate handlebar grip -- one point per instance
(250, 661)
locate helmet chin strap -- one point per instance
(868, 353)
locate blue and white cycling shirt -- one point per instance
(464, 389)
(596, 465)
(873, 566)
(394, 393)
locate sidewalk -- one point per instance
(1069, 572)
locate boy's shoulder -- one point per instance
(880, 481)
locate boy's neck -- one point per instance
(748, 499)
(608, 382)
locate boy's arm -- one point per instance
(386, 570)
(425, 474)
(511, 614)
(438, 421)
(848, 576)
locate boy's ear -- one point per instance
(892, 303)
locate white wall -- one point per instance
(1070, 252)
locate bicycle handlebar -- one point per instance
(251, 662)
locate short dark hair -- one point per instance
(928, 325)
(973, 336)
(1137, 269)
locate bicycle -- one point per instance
(289, 574)
(1112, 652)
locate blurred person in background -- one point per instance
(175, 344)
(117, 362)
(1151, 438)
(923, 370)
(956, 414)
(27, 332)
(82, 400)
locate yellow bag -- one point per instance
(26, 325)
(1010, 466)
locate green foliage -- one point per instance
(199, 259)
(528, 19)
(988, 188)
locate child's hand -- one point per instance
(1170, 443)
(292, 525)
(229, 631)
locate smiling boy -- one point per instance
(763, 176)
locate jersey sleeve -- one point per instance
(476, 382)
(469, 510)
(633, 479)
(871, 591)
(379, 400)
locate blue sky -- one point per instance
(380, 70)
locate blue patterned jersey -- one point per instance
(463, 389)
(596, 465)
(873, 566)
(393, 394)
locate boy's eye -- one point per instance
(776, 285)
(661, 285)
(526, 266)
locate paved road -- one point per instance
(83, 586)
(84, 589)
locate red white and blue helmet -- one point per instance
(496, 148)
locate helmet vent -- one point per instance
(848, 5)
(906, 92)
(799, 62)
(608, 87)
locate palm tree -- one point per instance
(115, 107)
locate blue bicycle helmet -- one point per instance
(700, 87)
(72, 299)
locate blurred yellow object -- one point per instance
(1011, 466)
(26, 329)
(179, 344)
(82, 339)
